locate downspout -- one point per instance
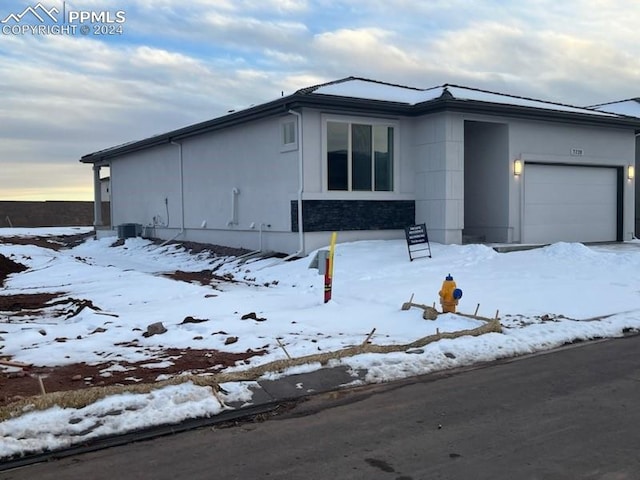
(300, 192)
(300, 186)
(181, 232)
(97, 197)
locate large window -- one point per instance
(359, 156)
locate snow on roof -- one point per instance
(464, 93)
(630, 108)
(374, 90)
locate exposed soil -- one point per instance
(7, 267)
(53, 243)
(25, 301)
(213, 250)
(204, 277)
(17, 383)
(20, 384)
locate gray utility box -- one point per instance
(129, 230)
(319, 261)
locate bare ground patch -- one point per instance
(8, 267)
(17, 383)
(51, 242)
(20, 384)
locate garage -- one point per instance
(570, 203)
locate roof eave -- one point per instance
(361, 105)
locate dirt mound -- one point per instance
(7, 267)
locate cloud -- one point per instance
(271, 6)
(247, 33)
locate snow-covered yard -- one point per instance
(102, 299)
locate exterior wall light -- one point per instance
(517, 167)
(631, 172)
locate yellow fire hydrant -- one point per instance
(449, 295)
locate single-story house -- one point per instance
(367, 158)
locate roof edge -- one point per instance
(519, 97)
(313, 88)
(634, 99)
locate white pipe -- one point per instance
(300, 184)
(97, 196)
(260, 236)
(179, 145)
(248, 254)
(111, 208)
(171, 239)
(300, 192)
(254, 252)
(234, 207)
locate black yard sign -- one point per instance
(417, 241)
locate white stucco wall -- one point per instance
(553, 142)
(437, 148)
(248, 158)
(429, 168)
(140, 183)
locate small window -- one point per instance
(288, 133)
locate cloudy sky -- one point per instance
(177, 62)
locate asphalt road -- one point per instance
(571, 414)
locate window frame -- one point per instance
(369, 121)
(289, 120)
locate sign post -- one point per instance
(328, 275)
(417, 241)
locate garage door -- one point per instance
(569, 204)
